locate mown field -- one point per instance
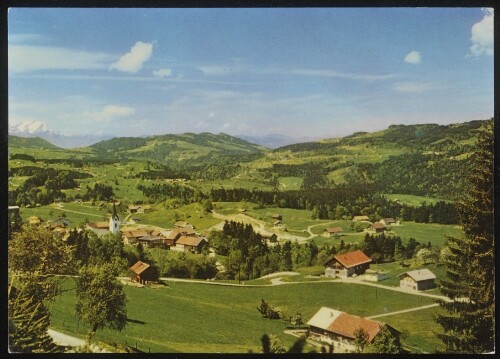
(413, 200)
(197, 318)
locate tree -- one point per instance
(469, 328)
(385, 343)
(101, 299)
(360, 339)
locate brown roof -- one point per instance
(134, 233)
(99, 225)
(389, 220)
(333, 229)
(378, 225)
(352, 259)
(190, 241)
(347, 324)
(139, 267)
(178, 231)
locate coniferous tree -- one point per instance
(469, 328)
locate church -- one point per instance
(101, 228)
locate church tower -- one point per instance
(114, 221)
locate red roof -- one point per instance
(352, 259)
(347, 324)
(139, 267)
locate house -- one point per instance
(176, 233)
(377, 228)
(133, 209)
(339, 329)
(361, 218)
(277, 217)
(150, 240)
(375, 276)
(270, 238)
(347, 264)
(191, 244)
(131, 237)
(60, 222)
(387, 221)
(420, 279)
(143, 273)
(279, 225)
(332, 232)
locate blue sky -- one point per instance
(321, 72)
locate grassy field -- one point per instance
(427, 232)
(412, 200)
(196, 318)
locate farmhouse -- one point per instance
(270, 238)
(60, 222)
(131, 237)
(98, 228)
(347, 264)
(420, 279)
(143, 273)
(133, 209)
(332, 232)
(387, 221)
(190, 244)
(339, 328)
(361, 218)
(150, 240)
(377, 228)
(176, 233)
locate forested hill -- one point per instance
(32, 142)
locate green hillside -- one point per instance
(30, 142)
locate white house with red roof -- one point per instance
(347, 264)
(339, 328)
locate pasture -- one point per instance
(202, 318)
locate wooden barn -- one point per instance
(420, 279)
(143, 273)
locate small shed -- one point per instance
(143, 272)
(277, 217)
(420, 279)
(279, 225)
(375, 276)
(387, 221)
(361, 218)
(332, 232)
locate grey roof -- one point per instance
(420, 274)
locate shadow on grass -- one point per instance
(135, 321)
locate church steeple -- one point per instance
(114, 221)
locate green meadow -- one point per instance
(201, 318)
(427, 232)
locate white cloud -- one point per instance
(162, 73)
(25, 58)
(132, 61)
(482, 36)
(110, 112)
(416, 87)
(27, 126)
(413, 57)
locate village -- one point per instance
(328, 326)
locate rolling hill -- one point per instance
(30, 142)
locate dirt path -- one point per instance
(87, 214)
(404, 311)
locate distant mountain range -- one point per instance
(275, 141)
(39, 129)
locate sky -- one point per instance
(319, 72)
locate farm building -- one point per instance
(98, 228)
(176, 233)
(131, 237)
(332, 232)
(133, 209)
(277, 217)
(375, 276)
(339, 328)
(270, 238)
(143, 273)
(387, 221)
(420, 279)
(190, 244)
(377, 228)
(361, 218)
(183, 224)
(347, 264)
(150, 240)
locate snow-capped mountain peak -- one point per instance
(29, 127)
